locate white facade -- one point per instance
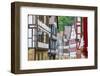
(72, 43)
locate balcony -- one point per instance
(43, 45)
(44, 26)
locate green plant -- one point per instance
(64, 21)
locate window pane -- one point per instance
(34, 38)
(29, 42)
(30, 19)
(40, 35)
(41, 18)
(34, 32)
(34, 19)
(34, 44)
(39, 31)
(79, 29)
(29, 33)
(39, 38)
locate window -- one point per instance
(29, 37)
(53, 29)
(32, 39)
(42, 36)
(53, 44)
(78, 29)
(34, 19)
(31, 19)
(35, 32)
(41, 18)
(32, 32)
(44, 19)
(29, 42)
(47, 21)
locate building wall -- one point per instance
(41, 54)
(34, 54)
(31, 54)
(44, 33)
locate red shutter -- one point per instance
(85, 33)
